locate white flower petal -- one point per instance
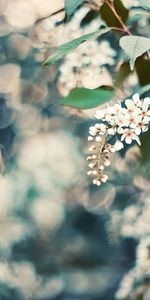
(111, 131)
(146, 120)
(100, 114)
(123, 137)
(146, 104)
(128, 140)
(144, 129)
(133, 125)
(118, 145)
(137, 130)
(129, 103)
(120, 130)
(136, 98)
(136, 138)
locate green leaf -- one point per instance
(109, 17)
(67, 47)
(134, 46)
(142, 68)
(71, 5)
(85, 98)
(145, 4)
(145, 147)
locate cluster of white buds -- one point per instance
(118, 124)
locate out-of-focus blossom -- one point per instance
(130, 3)
(22, 15)
(51, 32)
(10, 78)
(84, 67)
(48, 214)
(23, 277)
(132, 284)
(12, 229)
(73, 28)
(45, 150)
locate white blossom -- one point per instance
(122, 120)
(136, 99)
(100, 114)
(118, 145)
(145, 111)
(141, 125)
(119, 124)
(129, 136)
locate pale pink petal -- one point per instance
(133, 125)
(146, 104)
(136, 98)
(144, 128)
(137, 130)
(146, 120)
(129, 103)
(128, 140)
(136, 138)
(123, 137)
(118, 145)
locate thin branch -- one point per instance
(50, 15)
(118, 29)
(111, 6)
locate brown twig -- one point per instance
(50, 15)
(124, 27)
(118, 29)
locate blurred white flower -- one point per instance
(133, 281)
(84, 67)
(73, 28)
(23, 277)
(130, 3)
(12, 229)
(20, 275)
(57, 151)
(48, 214)
(20, 14)
(143, 251)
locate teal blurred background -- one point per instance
(60, 237)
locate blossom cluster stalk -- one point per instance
(118, 125)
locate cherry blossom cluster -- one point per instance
(118, 125)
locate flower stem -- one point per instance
(124, 27)
(101, 144)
